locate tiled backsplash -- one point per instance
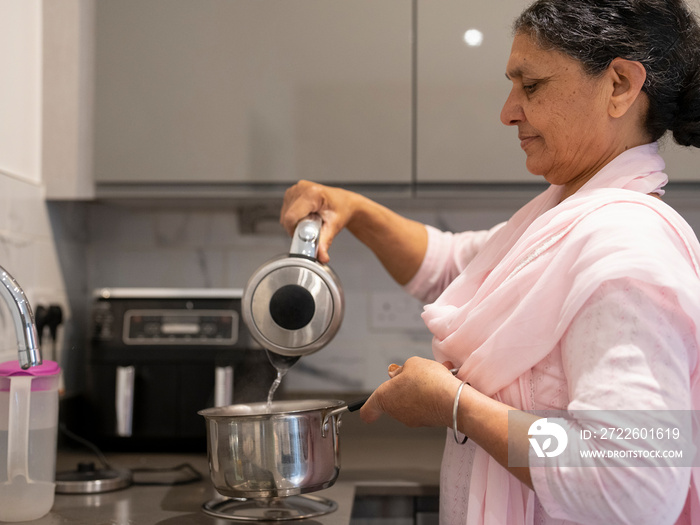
(199, 248)
(142, 247)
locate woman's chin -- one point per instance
(535, 168)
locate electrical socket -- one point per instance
(395, 310)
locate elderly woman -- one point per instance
(587, 299)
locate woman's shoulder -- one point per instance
(619, 209)
(641, 223)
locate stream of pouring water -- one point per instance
(273, 388)
(282, 364)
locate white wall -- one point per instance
(28, 250)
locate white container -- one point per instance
(28, 426)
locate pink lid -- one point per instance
(12, 368)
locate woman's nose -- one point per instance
(512, 111)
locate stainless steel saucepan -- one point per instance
(289, 449)
(293, 305)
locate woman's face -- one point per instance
(561, 114)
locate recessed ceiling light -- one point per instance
(473, 37)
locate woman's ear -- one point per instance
(628, 77)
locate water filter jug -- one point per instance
(28, 428)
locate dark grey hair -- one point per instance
(663, 35)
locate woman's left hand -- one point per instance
(419, 394)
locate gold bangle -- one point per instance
(455, 406)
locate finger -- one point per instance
(322, 254)
(394, 370)
(299, 201)
(329, 229)
(370, 411)
(296, 211)
(449, 365)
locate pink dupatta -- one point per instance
(512, 304)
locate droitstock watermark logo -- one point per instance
(604, 438)
(547, 430)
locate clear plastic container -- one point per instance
(28, 427)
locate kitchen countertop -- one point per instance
(380, 459)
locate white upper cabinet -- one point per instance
(68, 45)
(253, 91)
(240, 95)
(682, 164)
(460, 91)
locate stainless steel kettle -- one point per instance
(293, 305)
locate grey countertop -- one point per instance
(385, 459)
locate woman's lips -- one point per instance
(526, 141)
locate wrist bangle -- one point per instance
(455, 406)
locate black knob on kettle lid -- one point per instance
(292, 307)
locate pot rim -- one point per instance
(278, 409)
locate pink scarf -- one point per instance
(509, 308)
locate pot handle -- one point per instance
(306, 236)
(350, 407)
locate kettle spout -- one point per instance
(29, 353)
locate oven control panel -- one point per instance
(168, 327)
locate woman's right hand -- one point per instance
(399, 243)
(334, 205)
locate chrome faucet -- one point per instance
(27, 347)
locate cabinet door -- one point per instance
(253, 91)
(682, 164)
(461, 90)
